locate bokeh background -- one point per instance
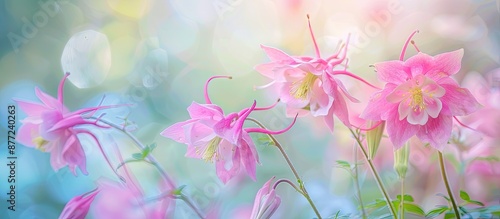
(158, 54)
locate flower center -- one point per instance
(211, 149)
(300, 89)
(417, 99)
(40, 143)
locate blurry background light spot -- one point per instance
(87, 56)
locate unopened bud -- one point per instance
(401, 160)
(373, 137)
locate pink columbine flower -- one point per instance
(215, 137)
(308, 83)
(420, 98)
(266, 202)
(51, 127)
(78, 207)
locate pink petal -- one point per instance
(378, 107)
(226, 130)
(458, 101)
(448, 63)
(400, 93)
(339, 107)
(291, 112)
(220, 165)
(56, 160)
(32, 109)
(248, 158)
(176, 131)
(197, 132)
(417, 117)
(26, 133)
(329, 120)
(267, 69)
(404, 108)
(392, 71)
(276, 55)
(433, 106)
(436, 131)
(419, 64)
(399, 130)
(344, 90)
(48, 100)
(209, 111)
(73, 155)
(50, 118)
(320, 102)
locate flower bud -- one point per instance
(401, 160)
(78, 207)
(266, 202)
(373, 137)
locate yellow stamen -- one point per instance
(40, 143)
(300, 89)
(211, 149)
(417, 99)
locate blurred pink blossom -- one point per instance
(125, 200)
(51, 127)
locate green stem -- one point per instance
(375, 173)
(356, 179)
(401, 208)
(447, 184)
(289, 162)
(152, 160)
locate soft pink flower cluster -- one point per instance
(420, 98)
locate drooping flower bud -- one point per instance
(266, 202)
(373, 137)
(401, 160)
(78, 207)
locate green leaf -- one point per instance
(449, 215)
(376, 205)
(406, 197)
(464, 196)
(265, 140)
(343, 164)
(178, 191)
(463, 209)
(444, 196)
(137, 156)
(488, 159)
(476, 202)
(437, 211)
(415, 209)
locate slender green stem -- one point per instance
(375, 173)
(356, 179)
(401, 206)
(289, 183)
(447, 184)
(191, 205)
(289, 162)
(152, 160)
